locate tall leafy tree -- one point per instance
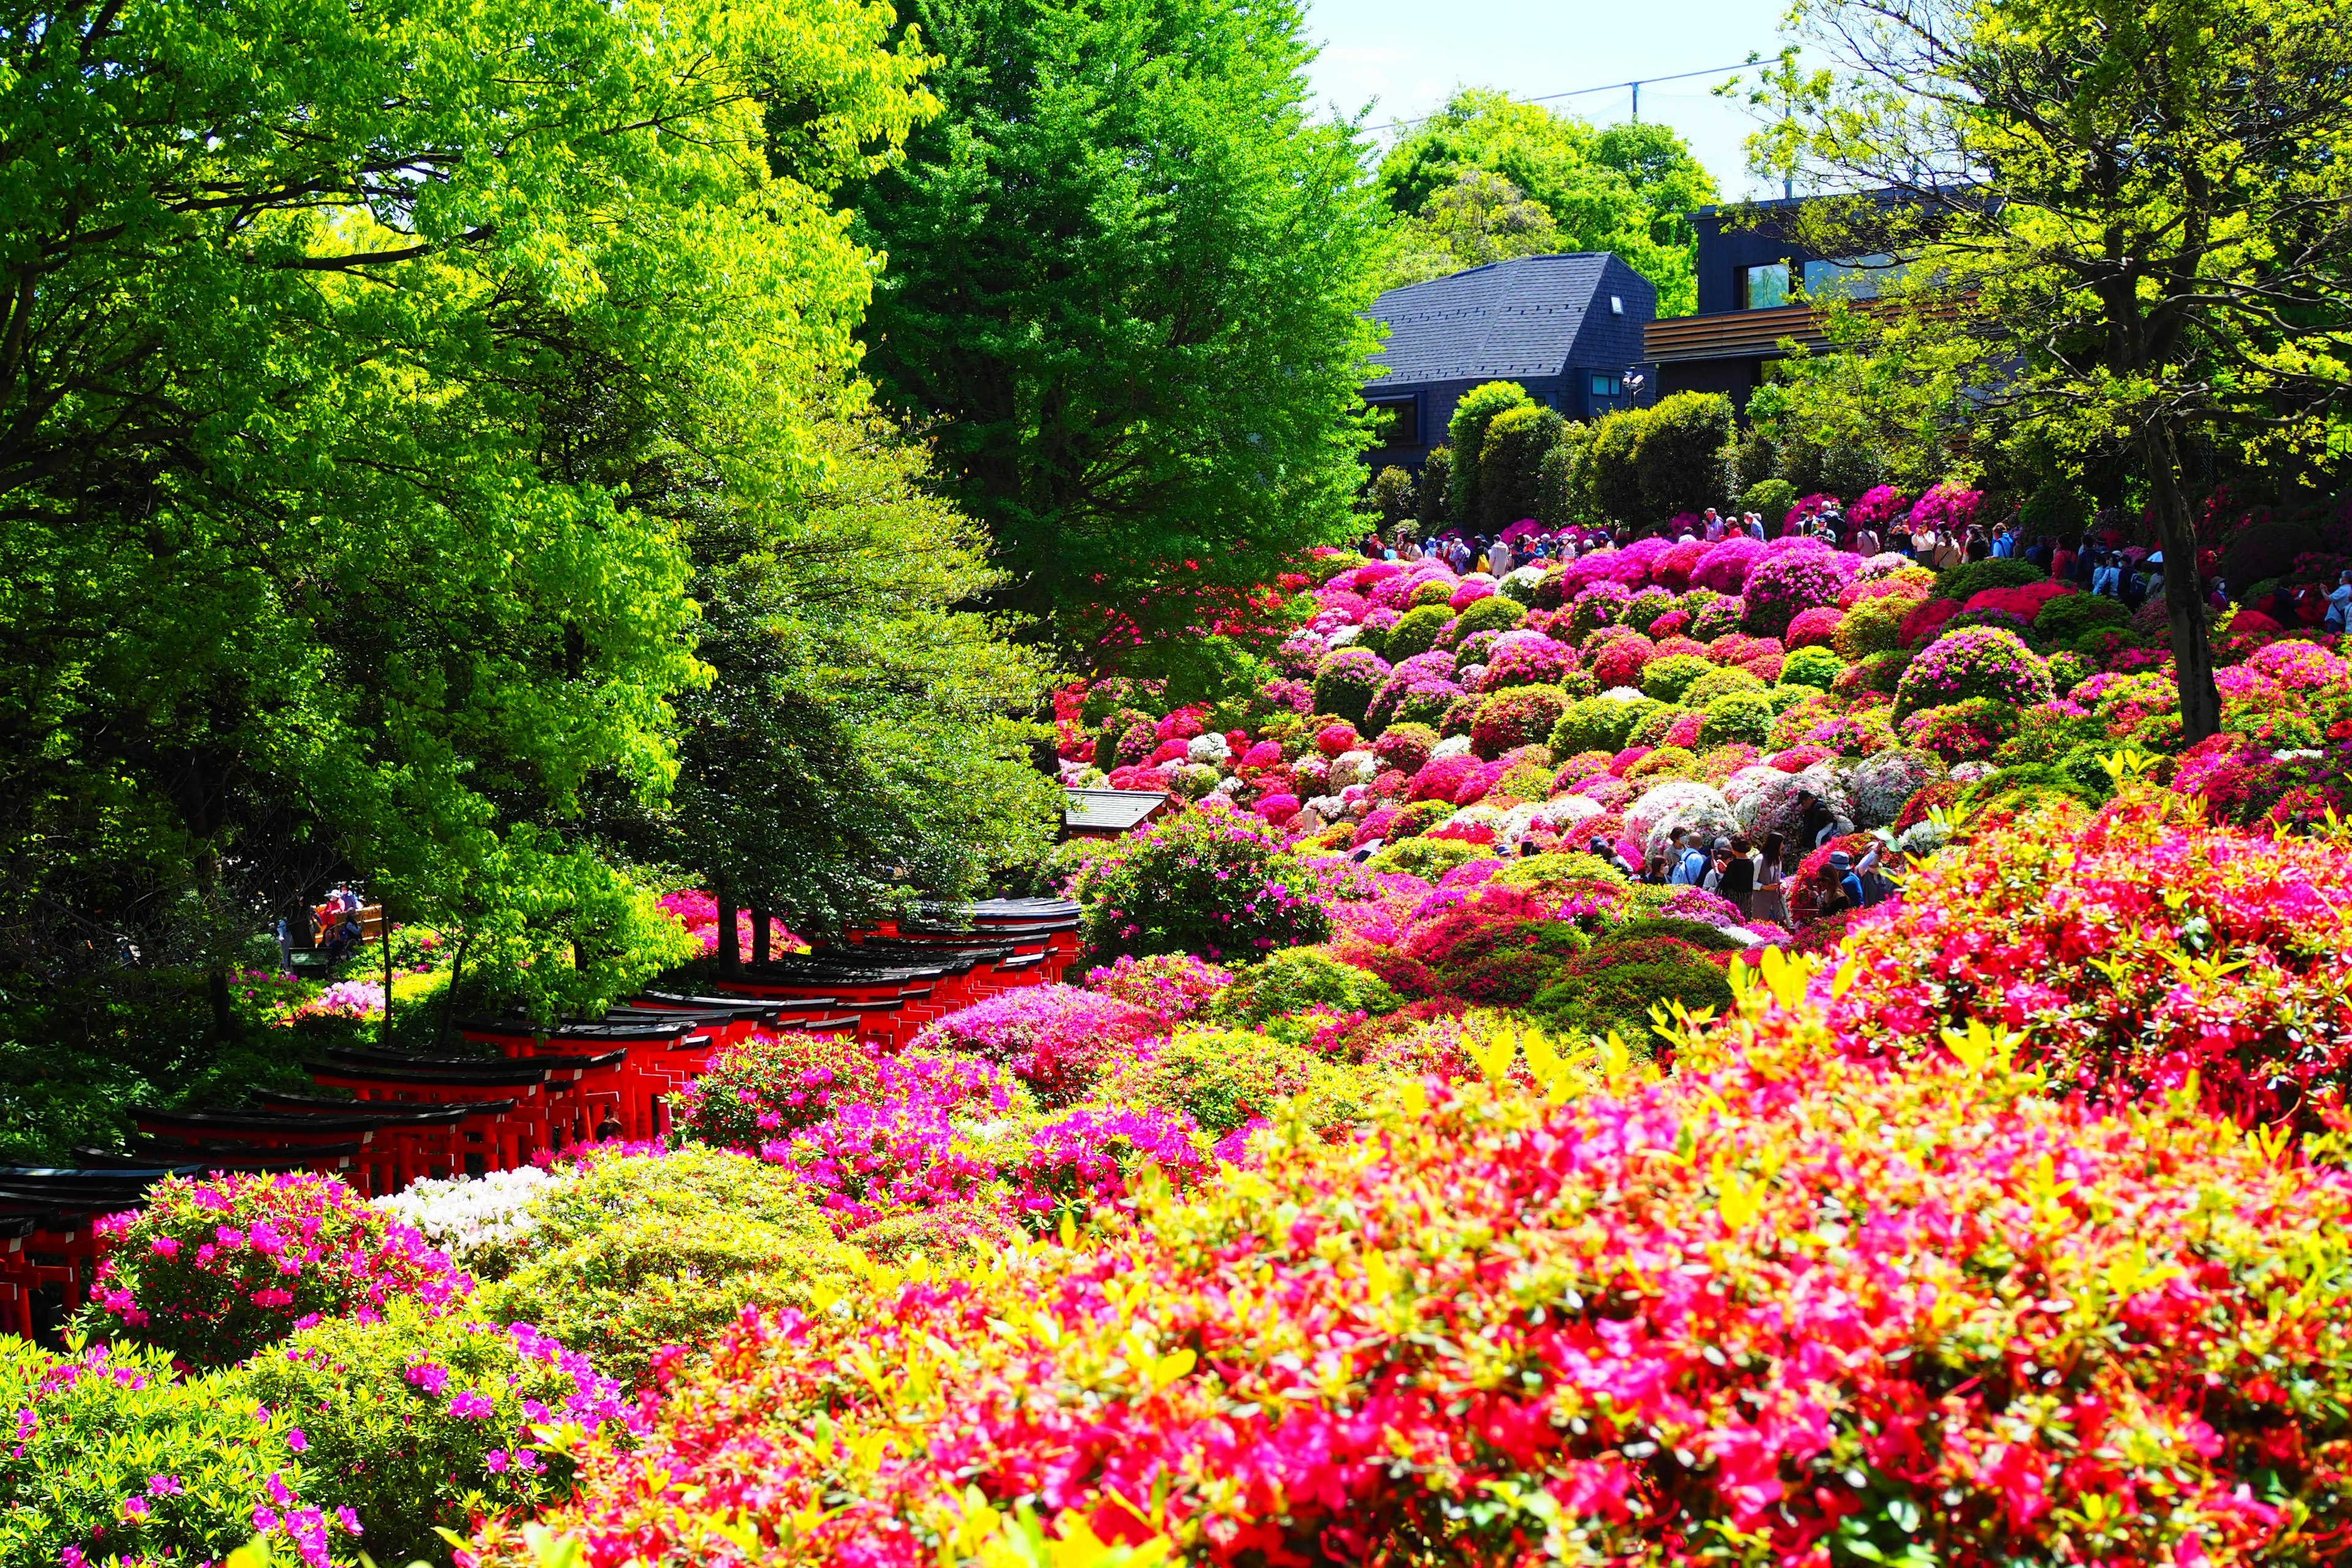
(1626, 188)
(1125, 274)
(858, 738)
(355, 363)
(2135, 213)
(1480, 219)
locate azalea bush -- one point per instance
(213, 1270)
(1055, 1038)
(771, 1085)
(482, 1222)
(1209, 882)
(412, 1422)
(2144, 953)
(1983, 662)
(1168, 985)
(637, 1251)
(1909, 1340)
(110, 1457)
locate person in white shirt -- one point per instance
(2339, 604)
(1499, 557)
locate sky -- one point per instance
(1410, 57)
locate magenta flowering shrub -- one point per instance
(1723, 569)
(1878, 506)
(212, 1270)
(1527, 658)
(867, 1162)
(1168, 985)
(1081, 1163)
(1210, 883)
(417, 1423)
(770, 1086)
(1972, 731)
(1055, 1038)
(1982, 661)
(1947, 506)
(697, 911)
(1788, 581)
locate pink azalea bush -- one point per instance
(1055, 1038)
(212, 1270)
(1168, 985)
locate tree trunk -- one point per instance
(449, 1004)
(731, 944)
(383, 1037)
(759, 938)
(2184, 598)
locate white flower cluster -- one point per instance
(468, 1216)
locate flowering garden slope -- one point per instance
(1357, 1210)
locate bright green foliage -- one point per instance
(1717, 682)
(1624, 188)
(1297, 979)
(1223, 1078)
(1433, 505)
(858, 720)
(1510, 468)
(1126, 268)
(1679, 464)
(1416, 631)
(1814, 667)
(105, 1436)
(2130, 214)
(1480, 219)
(379, 1434)
(1611, 482)
(1492, 613)
(1736, 716)
(1393, 499)
(1466, 433)
(643, 1252)
(345, 469)
(1668, 678)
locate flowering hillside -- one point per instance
(1403, 1124)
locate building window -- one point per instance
(1396, 422)
(1856, 279)
(1604, 385)
(1761, 288)
(1616, 304)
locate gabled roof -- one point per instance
(1500, 322)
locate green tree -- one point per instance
(1680, 463)
(1433, 503)
(1126, 269)
(1626, 188)
(1611, 477)
(1392, 498)
(1480, 219)
(859, 740)
(360, 366)
(1466, 433)
(2133, 215)
(1510, 468)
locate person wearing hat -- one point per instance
(1849, 881)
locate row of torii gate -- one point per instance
(382, 1120)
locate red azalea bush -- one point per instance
(1922, 623)
(771, 1086)
(1514, 717)
(1056, 1038)
(1954, 1334)
(2024, 603)
(2135, 953)
(212, 1270)
(1619, 662)
(1816, 627)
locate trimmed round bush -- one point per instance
(1668, 678)
(1346, 680)
(2064, 619)
(1786, 583)
(1418, 629)
(1493, 614)
(1717, 682)
(1968, 731)
(1518, 716)
(1811, 666)
(1603, 724)
(1872, 626)
(1816, 627)
(1982, 661)
(1737, 716)
(1657, 725)
(1527, 658)
(1882, 786)
(1404, 747)
(1724, 568)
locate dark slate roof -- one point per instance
(1506, 320)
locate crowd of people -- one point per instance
(2095, 561)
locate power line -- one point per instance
(1636, 85)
